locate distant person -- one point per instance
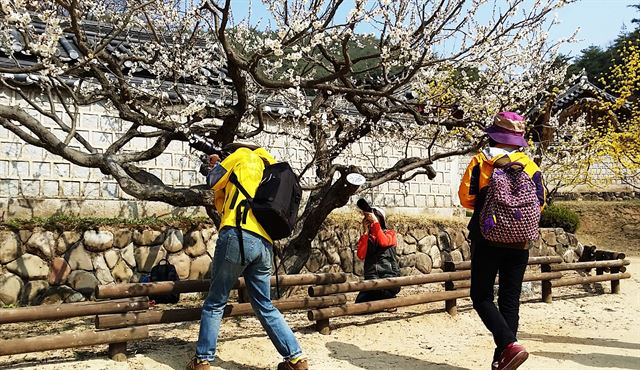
(246, 250)
(499, 169)
(377, 247)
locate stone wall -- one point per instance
(34, 182)
(50, 266)
(609, 196)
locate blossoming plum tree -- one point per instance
(345, 67)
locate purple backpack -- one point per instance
(511, 212)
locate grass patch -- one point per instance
(83, 223)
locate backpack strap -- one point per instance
(514, 166)
(242, 211)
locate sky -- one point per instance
(599, 21)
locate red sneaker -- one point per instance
(512, 357)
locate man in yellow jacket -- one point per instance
(246, 251)
(506, 139)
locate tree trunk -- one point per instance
(320, 205)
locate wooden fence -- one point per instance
(125, 314)
(455, 279)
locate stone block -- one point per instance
(98, 240)
(83, 282)
(465, 249)
(122, 238)
(59, 271)
(11, 247)
(43, 243)
(111, 257)
(33, 292)
(29, 266)
(121, 272)
(408, 260)
(425, 244)
(423, 263)
(10, 289)
(101, 270)
(346, 259)
(66, 240)
(444, 241)
(56, 295)
(148, 237)
(71, 188)
(174, 241)
(211, 245)
(19, 168)
(182, 263)
(549, 237)
(456, 256)
(200, 267)
(147, 257)
(128, 255)
(193, 244)
(61, 170)
(436, 258)
(316, 260)
(208, 233)
(79, 259)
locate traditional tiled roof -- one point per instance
(68, 50)
(580, 88)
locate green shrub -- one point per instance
(559, 216)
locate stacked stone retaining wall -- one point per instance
(39, 266)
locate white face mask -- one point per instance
(491, 152)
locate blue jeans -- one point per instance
(225, 271)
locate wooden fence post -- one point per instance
(547, 295)
(322, 326)
(118, 351)
(615, 284)
(450, 305)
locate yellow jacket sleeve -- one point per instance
(466, 191)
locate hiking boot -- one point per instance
(288, 365)
(198, 364)
(512, 357)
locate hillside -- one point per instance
(609, 225)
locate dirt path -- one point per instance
(579, 330)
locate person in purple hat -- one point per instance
(506, 140)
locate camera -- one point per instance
(207, 147)
(364, 205)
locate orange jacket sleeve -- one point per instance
(469, 185)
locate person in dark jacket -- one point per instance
(506, 138)
(377, 247)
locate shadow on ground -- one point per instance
(603, 360)
(375, 360)
(597, 342)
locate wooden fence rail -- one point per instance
(193, 314)
(376, 306)
(67, 310)
(316, 291)
(190, 286)
(71, 340)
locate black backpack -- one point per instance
(164, 272)
(276, 202)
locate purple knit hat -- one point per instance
(508, 128)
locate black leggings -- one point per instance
(486, 262)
